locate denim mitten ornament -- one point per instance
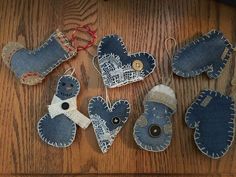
(208, 53)
(58, 127)
(212, 117)
(107, 120)
(31, 66)
(119, 68)
(153, 129)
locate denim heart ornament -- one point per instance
(212, 117)
(31, 66)
(208, 53)
(119, 68)
(107, 121)
(153, 129)
(58, 127)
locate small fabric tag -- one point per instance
(225, 52)
(206, 101)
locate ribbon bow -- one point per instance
(68, 107)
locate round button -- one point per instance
(137, 65)
(116, 120)
(154, 130)
(65, 105)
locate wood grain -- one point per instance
(144, 25)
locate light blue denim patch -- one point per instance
(120, 68)
(107, 122)
(208, 53)
(153, 129)
(212, 117)
(31, 66)
(60, 131)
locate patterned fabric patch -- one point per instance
(107, 122)
(120, 68)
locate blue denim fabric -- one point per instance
(212, 117)
(116, 64)
(107, 122)
(32, 66)
(158, 115)
(60, 131)
(208, 53)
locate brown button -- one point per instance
(137, 65)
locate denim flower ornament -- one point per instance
(107, 121)
(31, 66)
(58, 127)
(208, 53)
(212, 117)
(153, 129)
(119, 68)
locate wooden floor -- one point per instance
(144, 25)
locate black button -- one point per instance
(154, 130)
(116, 120)
(65, 105)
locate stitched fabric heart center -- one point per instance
(107, 122)
(120, 68)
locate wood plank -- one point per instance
(144, 25)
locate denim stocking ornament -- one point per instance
(32, 66)
(119, 68)
(212, 117)
(208, 53)
(153, 129)
(58, 127)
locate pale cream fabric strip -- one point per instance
(162, 98)
(72, 113)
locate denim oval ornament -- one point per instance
(153, 129)
(119, 68)
(107, 122)
(32, 66)
(208, 53)
(212, 117)
(58, 127)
